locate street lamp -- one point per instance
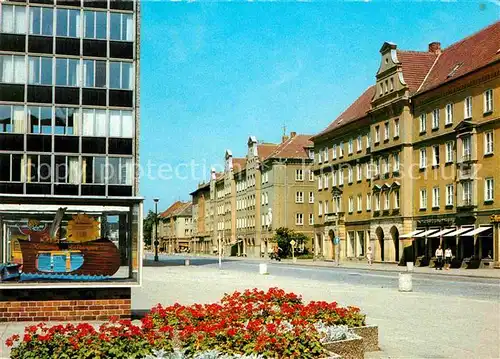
(156, 229)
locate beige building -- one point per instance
(271, 187)
(411, 163)
(175, 227)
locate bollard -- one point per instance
(405, 284)
(294, 260)
(409, 266)
(263, 268)
(186, 261)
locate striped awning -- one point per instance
(443, 232)
(426, 233)
(478, 230)
(411, 234)
(458, 232)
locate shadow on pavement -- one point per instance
(180, 262)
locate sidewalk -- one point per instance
(385, 267)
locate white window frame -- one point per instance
(397, 199)
(320, 208)
(488, 101)
(448, 114)
(435, 197)
(423, 122)
(359, 172)
(386, 131)
(325, 154)
(449, 151)
(320, 182)
(325, 180)
(368, 201)
(311, 197)
(396, 128)
(359, 143)
(18, 75)
(325, 209)
(377, 134)
(311, 219)
(368, 140)
(350, 146)
(299, 175)
(334, 178)
(435, 159)
(349, 175)
(122, 65)
(341, 177)
(19, 21)
(350, 205)
(423, 198)
(377, 201)
(435, 119)
(488, 142)
(334, 152)
(341, 149)
(423, 158)
(299, 197)
(468, 107)
(387, 200)
(449, 194)
(359, 203)
(397, 162)
(311, 176)
(299, 219)
(489, 187)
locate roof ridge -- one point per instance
(428, 72)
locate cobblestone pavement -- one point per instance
(412, 325)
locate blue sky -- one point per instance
(214, 73)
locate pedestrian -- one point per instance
(369, 255)
(447, 258)
(439, 258)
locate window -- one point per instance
(435, 119)
(360, 203)
(359, 144)
(341, 177)
(67, 169)
(311, 218)
(119, 170)
(320, 182)
(12, 119)
(311, 176)
(39, 168)
(341, 149)
(488, 189)
(121, 26)
(396, 127)
(320, 208)
(385, 162)
(325, 180)
(488, 143)
(299, 219)
(41, 20)
(396, 199)
(299, 175)
(386, 131)
(40, 119)
(423, 198)
(120, 75)
(358, 172)
(94, 73)
(378, 166)
(13, 19)
(449, 195)
(391, 81)
(397, 162)
(435, 155)
(337, 203)
(299, 197)
(67, 72)
(423, 158)
(121, 124)
(368, 201)
(435, 197)
(368, 140)
(377, 134)
(449, 114)
(94, 122)
(320, 156)
(488, 101)
(326, 210)
(423, 122)
(381, 89)
(12, 69)
(68, 23)
(334, 152)
(325, 154)
(468, 107)
(334, 178)
(349, 174)
(467, 193)
(377, 201)
(311, 197)
(351, 204)
(12, 168)
(95, 25)
(449, 151)
(386, 200)
(466, 147)
(266, 197)
(368, 167)
(350, 146)
(66, 121)
(40, 70)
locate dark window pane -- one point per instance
(4, 167)
(16, 167)
(100, 74)
(62, 22)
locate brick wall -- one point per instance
(64, 305)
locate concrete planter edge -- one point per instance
(369, 333)
(348, 348)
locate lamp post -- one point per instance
(156, 243)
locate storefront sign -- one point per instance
(82, 228)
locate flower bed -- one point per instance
(272, 324)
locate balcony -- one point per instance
(466, 203)
(466, 157)
(465, 172)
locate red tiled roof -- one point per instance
(466, 55)
(239, 164)
(265, 149)
(416, 66)
(294, 147)
(177, 208)
(171, 209)
(358, 109)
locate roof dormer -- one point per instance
(389, 78)
(252, 147)
(229, 161)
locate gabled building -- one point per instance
(175, 227)
(410, 163)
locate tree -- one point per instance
(283, 237)
(148, 227)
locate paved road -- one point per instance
(477, 288)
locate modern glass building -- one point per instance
(69, 124)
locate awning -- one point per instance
(478, 230)
(411, 234)
(458, 232)
(443, 232)
(426, 233)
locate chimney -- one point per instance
(284, 138)
(293, 134)
(435, 47)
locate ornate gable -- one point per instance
(389, 78)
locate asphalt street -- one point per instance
(477, 288)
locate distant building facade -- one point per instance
(175, 227)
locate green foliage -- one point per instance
(148, 226)
(283, 238)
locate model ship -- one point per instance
(81, 253)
